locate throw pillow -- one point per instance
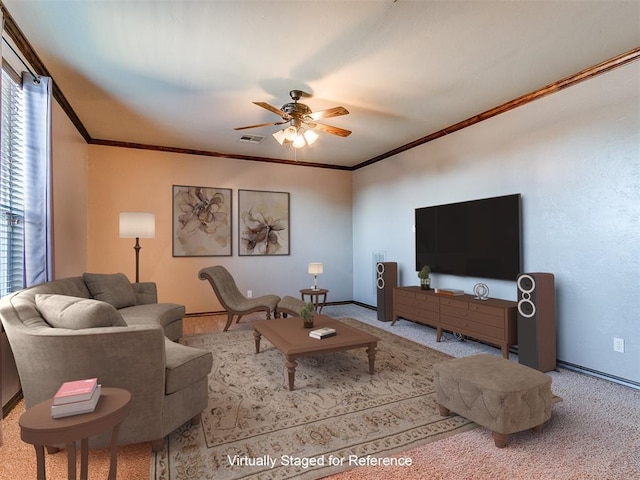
(113, 288)
(63, 311)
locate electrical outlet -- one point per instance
(618, 344)
(249, 293)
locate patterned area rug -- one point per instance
(337, 418)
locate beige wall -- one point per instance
(70, 168)
(139, 180)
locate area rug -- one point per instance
(337, 418)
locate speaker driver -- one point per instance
(526, 283)
(526, 308)
(380, 283)
(380, 268)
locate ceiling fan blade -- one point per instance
(341, 132)
(260, 125)
(273, 109)
(330, 112)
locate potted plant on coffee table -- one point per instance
(425, 280)
(307, 313)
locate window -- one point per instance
(12, 184)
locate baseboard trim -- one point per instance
(11, 403)
(595, 373)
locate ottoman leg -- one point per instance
(500, 439)
(538, 428)
(444, 411)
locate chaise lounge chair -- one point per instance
(230, 297)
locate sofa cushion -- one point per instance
(185, 366)
(162, 314)
(63, 311)
(113, 288)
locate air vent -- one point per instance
(251, 138)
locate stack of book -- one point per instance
(74, 398)
(321, 333)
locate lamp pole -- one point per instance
(137, 248)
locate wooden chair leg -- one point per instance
(444, 411)
(156, 445)
(196, 420)
(500, 439)
(229, 321)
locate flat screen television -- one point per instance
(478, 238)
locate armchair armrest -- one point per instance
(146, 293)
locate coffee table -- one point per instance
(292, 339)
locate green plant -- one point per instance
(307, 311)
(424, 272)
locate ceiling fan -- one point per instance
(302, 121)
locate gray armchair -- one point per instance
(168, 381)
(230, 297)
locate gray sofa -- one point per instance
(101, 325)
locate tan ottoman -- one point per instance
(289, 306)
(493, 392)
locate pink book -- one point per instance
(76, 391)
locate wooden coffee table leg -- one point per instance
(291, 368)
(256, 336)
(371, 351)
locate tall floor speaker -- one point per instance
(386, 281)
(537, 321)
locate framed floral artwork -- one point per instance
(201, 221)
(263, 222)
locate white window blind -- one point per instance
(12, 185)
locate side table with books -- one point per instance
(39, 428)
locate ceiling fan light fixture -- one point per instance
(280, 136)
(291, 133)
(310, 136)
(299, 141)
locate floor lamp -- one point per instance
(137, 225)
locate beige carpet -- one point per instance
(338, 417)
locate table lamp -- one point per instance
(315, 269)
(137, 225)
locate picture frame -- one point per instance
(263, 223)
(202, 218)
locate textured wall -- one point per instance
(575, 158)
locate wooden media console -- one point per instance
(493, 321)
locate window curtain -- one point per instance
(38, 248)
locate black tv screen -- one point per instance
(479, 238)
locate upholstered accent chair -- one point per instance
(104, 326)
(230, 297)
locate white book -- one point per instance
(322, 332)
(76, 408)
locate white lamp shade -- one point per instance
(298, 142)
(315, 268)
(137, 225)
(280, 136)
(310, 136)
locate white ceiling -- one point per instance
(182, 74)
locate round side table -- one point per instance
(38, 428)
(317, 296)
